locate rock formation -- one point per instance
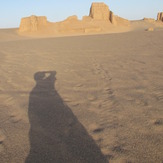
(100, 19)
(160, 16)
(112, 18)
(121, 21)
(151, 29)
(149, 20)
(32, 23)
(72, 18)
(99, 11)
(86, 18)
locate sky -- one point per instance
(11, 11)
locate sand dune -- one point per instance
(84, 99)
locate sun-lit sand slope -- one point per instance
(81, 99)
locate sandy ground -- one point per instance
(81, 99)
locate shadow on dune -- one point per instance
(55, 134)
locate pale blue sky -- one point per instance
(11, 11)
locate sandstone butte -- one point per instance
(99, 20)
(160, 16)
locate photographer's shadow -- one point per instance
(56, 135)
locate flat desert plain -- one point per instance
(81, 99)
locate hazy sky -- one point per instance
(11, 11)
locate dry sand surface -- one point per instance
(82, 99)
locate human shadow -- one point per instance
(56, 135)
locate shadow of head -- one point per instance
(39, 76)
(44, 75)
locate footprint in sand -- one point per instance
(91, 97)
(95, 128)
(1, 89)
(78, 87)
(16, 117)
(98, 130)
(2, 137)
(158, 122)
(1, 148)
(74, 104)
(9, 101)
(109, 90)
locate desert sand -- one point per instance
(90, 98)
(82, 98)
